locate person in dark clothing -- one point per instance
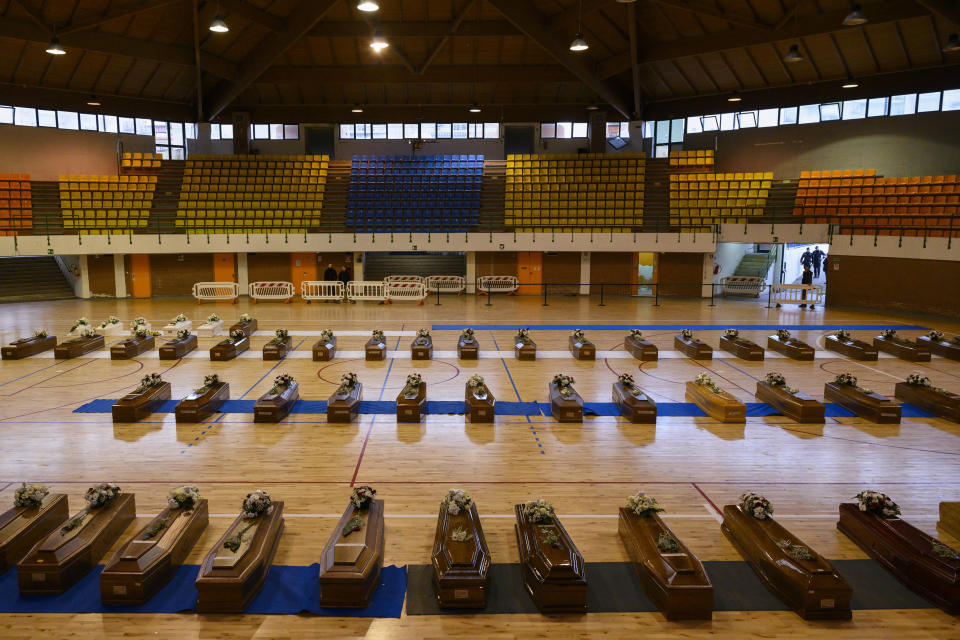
(818, 257)
(344, 276)
(806, 260)
(806, 278)
(330, 273)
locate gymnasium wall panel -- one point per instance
(100, 275)
(613, 267)
(496, 263)
(174, 274)
(678, 274)
(379, 265)
(48, 153)
(268, 267)
(562, 267)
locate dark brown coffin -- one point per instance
(641, 349)
(350, 566)
(907, 553)
(722, 407)
(585, 350)
(134, 406)
(693, 348)
(324, 350)
(565, 409)
(950, 518)
(791, 347)
(742, 348)
(414, 408)
(59, 561)
(23, 527)
(675, 580)
(76, 347)
(375, 350)
(856, 349)
(555, 578)
(222, 352)
(468, 350)
(197, 407)
(277, 350)
(638, 409)
(140, 568)
(27, 347)
(946, 348)
(799, 406)
(479, 409)
(904, 349)
(178, 347)
(421, 349)
(344, 408)
(812, 588)
(274, 407)
(525, 350)
(131, 347)
(229, 580)
(870, 406)
(247, 327)
(460, 569)
(943, 405)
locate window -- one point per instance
(346, 132)
(710, 123)
(809, 113)
(444, 130)
(428, 130)
(161, 133)
(176, 134)
(579, 129)
(68, 120)
(647, 129)
(214, 132)
(829, 111)
(854, 109)
(226, 132)
(378, 131)
(411, 131)
(364, 131)
(261, 132)
(928, 102)
(548, 130)
(663, 132)
(951, 100)
(291, 132)
(164, 152)
(676, 130)
(25, 117)
(475, 130)
(564, 130)
(491, 130)
(88, 122)
(613, 129)
(127, 126)
(191, 128)
(144, 127)
(662, 151)
(459, 130)
(694, 125)
(276, 131)
(768, 118)
(903, 105)
(877, 107)
(6, 115)
(747, 120)
(108, 124)
(177, 153)
(46, 118)
(788, 115)
(395, 131)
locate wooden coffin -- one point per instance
(197, 407)
(460, 569)
(414, 407)
(693, 348)
(791, 347)
(468, 350)
(641, 349)
(61, 559)
(638, 409)
(178, 347)
(421, 349)
(568, 409)
(904, 349)
(131, 347)
(345, 407)
(323, 350)
(950, 518)
(742, 348)
(479, 408)
(76, 347)
(722, 406)
(25, 347)
(799, 406)
(274, 407)
(855, 349)
(554, 577)
(142, 566)
(277, 350)
(350, 565)
(585, 350)
(247, 327)
(230, 580)
(945, 348)
(525, 350)
(134, 406)
(942, 405)
(222, 352)
(23, 527)
(870, 406)
(374, 350)
(812, 588)
(906, 552)
(675, 580)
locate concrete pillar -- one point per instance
(243, 276)
(598, 131)
(84, 277)
(584, 273)
(119, 275)
(707, 275)
(471, 276)
(358, 265)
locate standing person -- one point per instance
(806, 260)
(806, 278)
(345, 277)
(817, 260)
(330, 275)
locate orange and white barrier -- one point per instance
(406, 291)
(742, 285)
(413, 279)
(497, 284)
(366, 290)
(321, 290)
(446, 283)
(793, 294)
(271, 291)
(216, 291)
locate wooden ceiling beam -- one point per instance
(445, 74)
(34, 14)
(431, 29)
(569, 15)
(454, 26)
(76, 100)
(252, 13)
(123, 11)
(714, 11)
(945, 9)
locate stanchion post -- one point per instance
(656, 294)
(712, 288)
(601, 295)
(769, 294)
(545, 295)
(489, 298)
(438, 295)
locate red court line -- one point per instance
(707, 498)
(356, 469)
(50, 378)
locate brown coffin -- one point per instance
(274, 407)
(693, 348)
(324, 350)
(229, 580)
(27, 347)
(221, 352)
(141, 567)
(799, 406)
(942, 405)
(870, 406)
(554, 578)
(525, 350)
(479, 409)
(585, 350)
(460, 569)
(350, 565)
(76, 347)
(247, 327)
(945, 348)
(412, 409)
(904, 349)
(950, 518)
(907, 553)
(178, 347)
(638, 409)
(344, 408)
(23, 527)
(812, 588)
(565, 409)
(60, 560)
(856, 349)
(468, 350)
(641, 349)
(743, 349)
(791, 347)
(375, 350)
(722, 407)
(131, 347)
(675, 580)
(134, 406)
(277, 350)
(197, 407)
(421, 349)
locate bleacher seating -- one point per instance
(693, 158)
(698, 199)
(97, 205)
(424, 193)
(574, 192)
(138, 161)
(252, 193)
(16, 211)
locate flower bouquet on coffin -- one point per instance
(920, 392)
(580, 347)
(86, 340)
(479, 403)
(275, 404)
(146, 398)
(279, 346)
(846, 392)
(213, 326)
(112, 326)
(524, 348)
(352, 559)
(376, 347)
(639, 347)
(633, 403)
(139, 321)
(344, 404)
(714, 401)
(744, 349)
(78, 326)
(35, 514)
(422, 346)
(412, 399)
(325, 348)
(182, 343)
(460, 558)
(939, 344)
(204, 401)
(891, 342)
(783, 342)
(566, 405)
(550, 563)
(692, 347)
(843, 343)
(177, 323)
(140, 341)
(789, 401)
(24, 347)
(468, 348)
(245, 323)
(230, 347)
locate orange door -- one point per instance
(303, 266)
(140, 275)
(529, 272)
(223, 267)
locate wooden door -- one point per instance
(224, 269)
(530, 272)
(140, 275)
(303, 266)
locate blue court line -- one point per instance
(384, 386)
(267, 373)
(724, 361)
(507, 369)
(677, 327)
(30, 374)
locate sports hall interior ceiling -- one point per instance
(310, 60)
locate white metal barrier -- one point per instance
(810, 294)
(271, 291)
(366, 290)
(403, 279)
(742, 285)
(216, 291)
(497, 284)
(321, 290)
(406, 291)
(446, 283)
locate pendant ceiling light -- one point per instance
(953, 44)
(378, 43)
(851, 83)
(855, 18)
(368, 5)
(475, 108)
(579, 44)
(54, 47)
(794, 54)
(734, 97)
(218, 25)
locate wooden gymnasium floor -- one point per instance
(689, 464)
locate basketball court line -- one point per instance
(677, 327)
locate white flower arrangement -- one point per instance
(686, 334)
(101, 494)
(183, 334)
(578, 335)
(178, 319)
(636, 334)
(185, 497)
(208, 381)
(783, 334)
(326, 335)
(456, 501)
(140, 331)
(756, 505)
(138, 321)
(86, 331)
(841, 334)
(935, 335)
(245, 318)
(79, 322)
(643, 505)
(775, 379)
(347, 382)
(238, 334)
(255, 504)
(414, 380)
(213, 318)
(362, 496)
(423, 333)
(731, 334)
(539, 511)
(39, 333)
(704, 380)
(111, 320)
(30, 495)
(467, 335)
(149, 381)
(875, 502)
(564, 384)
(279, 336)
(889, 334)
(377, 335)
(523, 335)
(475, 381)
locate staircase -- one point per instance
(754, 265)
(334, 214)
(166, 197)
(32, 279)
(47, 215)
(656, 194)
(492, 188)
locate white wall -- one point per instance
(728, 256)
(791, 267)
